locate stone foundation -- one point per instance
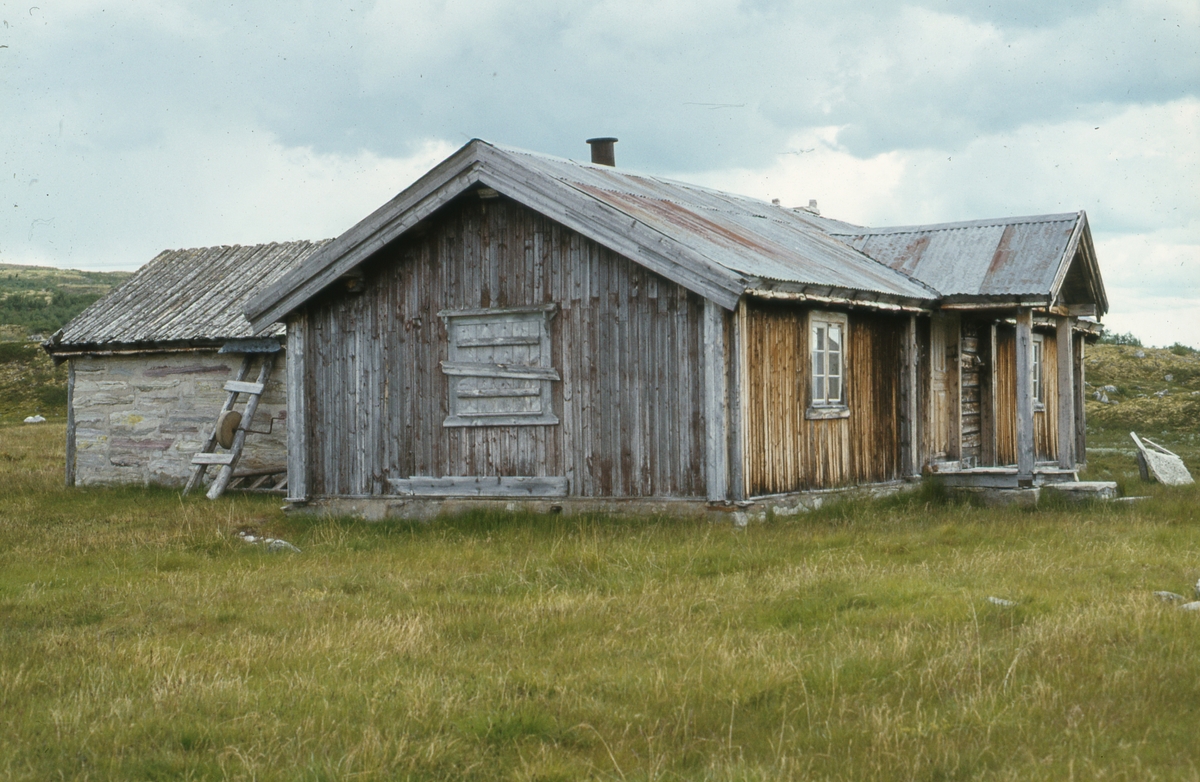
(139, 418)
(740, 514)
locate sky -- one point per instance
(131, 127)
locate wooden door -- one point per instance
(943, 396)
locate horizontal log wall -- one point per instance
(626, 342)
(784, 451)
(1045, 422)
(972, 389)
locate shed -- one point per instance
(147, 369)
(520, 326)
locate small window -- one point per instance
(827, 365)
(1035, 374)
(499, 368)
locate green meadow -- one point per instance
(139, 639)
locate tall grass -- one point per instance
(139, 640)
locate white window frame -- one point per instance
(461, 370)
(1037, 375)
(820, 404)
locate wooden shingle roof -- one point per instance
(185, 297)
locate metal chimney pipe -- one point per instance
(602, 151)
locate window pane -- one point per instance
(835, 364)
(835, 389)
(819, 338)
(835, 337)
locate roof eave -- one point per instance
(837, 296)
(480, 163)
(442, 183)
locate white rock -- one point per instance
(1192, 606)
(274, 544)
(1168, 377)
(1196, 589)
(1139, 354)
(999, 601)
(35, 419)
(1111, 389)
(1169, 597)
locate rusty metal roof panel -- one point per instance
(745, 235)
(1007, 257)
(187, 295)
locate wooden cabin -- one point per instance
(149, 362)
(521, 327)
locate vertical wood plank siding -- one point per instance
(786, 452)
(626, 343)
(1045, 422)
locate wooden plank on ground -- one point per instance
(480, 486)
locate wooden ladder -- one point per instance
(208, 454)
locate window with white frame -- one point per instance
(499, 367)
(827, 365)
(1036, 375)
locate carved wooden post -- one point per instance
(1025, 455)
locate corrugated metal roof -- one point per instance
(745, 235)
(187, 295)
(1017, 256)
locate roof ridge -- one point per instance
(961, 225)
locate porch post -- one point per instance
(1066, 393)
(1025, 456)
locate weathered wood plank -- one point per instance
(480, 486)
(243, 387)
(715, 400)
(910, 464)
(212, 458)
(70, 445)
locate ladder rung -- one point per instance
(243, 387)
(212, 458)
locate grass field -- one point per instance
(140, 640)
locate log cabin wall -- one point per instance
(784, 451)
(626, 342)
(1045, 421)
(972, 390)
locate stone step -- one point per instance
(1084, 490)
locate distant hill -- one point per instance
(1153, 391)
(40, 299)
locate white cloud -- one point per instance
(1135, 175)
(194, 187)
